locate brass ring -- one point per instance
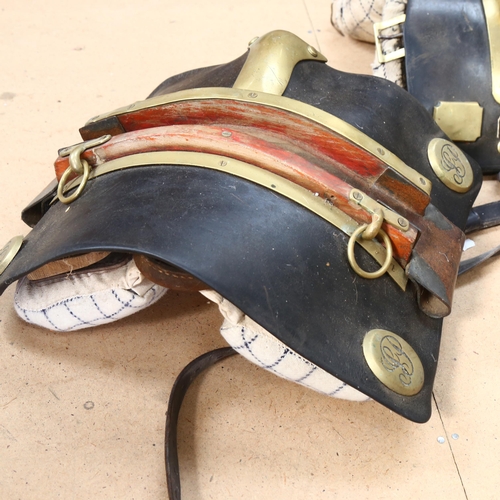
(352, 258)
(62, 183)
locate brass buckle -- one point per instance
(377, 29)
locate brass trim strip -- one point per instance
(286, 104)
(492, 15)
(259, 176)
(271, 60)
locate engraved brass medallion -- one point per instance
(9, 251)
(394, 362)
(450, 165)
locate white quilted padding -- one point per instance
(355, 18)
(262, 348)
(83, 300)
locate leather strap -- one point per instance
(179, 389)
(469, 264)
(483, 217)
(168, 276)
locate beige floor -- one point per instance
(244, 433)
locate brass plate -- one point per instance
(460, 121)
(9, 251)
(394, 362)
(271, 60)
(450, 165)
(316, 115)
(492, 14)
(370, 205)
(261, 177)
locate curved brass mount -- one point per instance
(271, 60)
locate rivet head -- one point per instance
(394, 362)
(225, 133)
(9, 251)
(450, 165)
(253, 40)
(312, 51)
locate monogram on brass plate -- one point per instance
(450, 165)
(394, 362)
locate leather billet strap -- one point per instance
(451, 59)
(179, 390)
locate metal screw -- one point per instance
(253, 94)
(312, 51)
(402, 222)
(422, 181)
(223, 163)
(381, 151)
(357, 195)
(226, 134)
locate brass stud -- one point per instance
(312, 51)
(402, 222)
(253, 40)
(9, 251)
(357, 195)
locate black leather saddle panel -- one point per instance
(282, 265)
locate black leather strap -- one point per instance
(469, 264)
(179, 389)
(483, 217)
